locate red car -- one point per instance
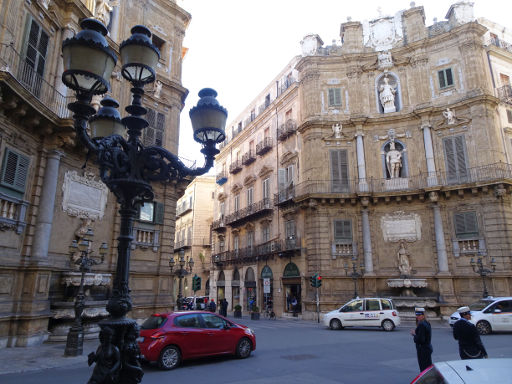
(172, 337)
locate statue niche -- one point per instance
(394, 161)
(388, 93)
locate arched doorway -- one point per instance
(235, 289)
(292, 289)
(267, 278)
(250, 288)
(221, 286)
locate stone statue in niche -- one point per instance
(103, 9)
(449, 115)
(404, 266)
(157, 90)
(336, 129)
(387, 96)
(393, 161)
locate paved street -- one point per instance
(288, 351)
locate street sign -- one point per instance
(266, 285)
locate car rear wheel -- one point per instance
(243, 348)
(483, 327)
(388, 325)
(335, 324)
(170, 357)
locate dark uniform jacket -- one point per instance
(470, 345)
(422, 339)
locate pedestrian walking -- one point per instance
(212, 306)
(422, 338)
(224, 307)
(470, 345)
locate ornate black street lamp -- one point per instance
(354, 273)
(478, 267)
(125, 165)
(181, 273)
(75, 339)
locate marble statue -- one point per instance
(404, 265)
(336, 129)
(103, 9)
(449, 115)
(387, 96)
(157, 90)
(393, 161)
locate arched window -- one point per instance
(236, 275)
(291, 270)
(249, 274)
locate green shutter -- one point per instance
(339, 170)
(442, 82)
(159, 213)
(449, 77)
(14, 170)
(342, 230)
(466, 224)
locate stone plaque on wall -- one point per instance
(401, 226)
(84, 196)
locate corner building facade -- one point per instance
(389, 166)
(48, 198)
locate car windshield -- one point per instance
(479, 305)
(153, 322)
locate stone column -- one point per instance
(361, 165)
(442, 258)
(114, 26)
(429, 155)
(46, 207)
(367, 242)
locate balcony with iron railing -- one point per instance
(497, 42)
(248, 157)
(221, 177)
(235, 167)
(286, 129)
(182, 244)
(264, 146)
(250, 212)
(505, 93)
(13, 65)
(469, 177)
(285, 84)
(183, 208)
(219, 225)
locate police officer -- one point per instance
(470, 345)
(422, 338)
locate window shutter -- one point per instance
(442, 83)
(509, 115)
(451, 165)
(461, 156)
(342, 230)
(466, 224)
(455, 154)
(449, 78)
(290, 174)
(160, 128)
(266, 188)
(281, 178)
(159, 213)
(331, 96)
(14, 170)
(339, 170)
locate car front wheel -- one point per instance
(483, 327)
(335, 324)
(170, 357)
(388, 325)
(243, 348)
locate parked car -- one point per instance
(475, 371)
(489, 314)
(366, 312)
(198, 302)
(170, 338)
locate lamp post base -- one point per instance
(75, 342)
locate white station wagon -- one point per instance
(365, 312)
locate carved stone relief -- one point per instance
(401, 226)
(83, 196)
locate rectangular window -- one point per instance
(455, 157)
(236, 243)
(152, 212)
(35, 51)
(15, 167)
(266, 188)
(509, 115)
(265, 233)
(250, 196)
(445, 78)
(154, 133)
(290, 229)
(334, 97)
(466, 225)
(237, 202)
(250, 239)
(339, 170)
(342, 231)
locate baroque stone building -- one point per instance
(49, 194)
(193, 233)
(383, 164)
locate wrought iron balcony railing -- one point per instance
(219, 225)
(248, 157)
(500, 43)
(14, 64)
(187, 243)
(261, 207)
(264, 146)
(286, 129)
(235, 167)
(505, 93)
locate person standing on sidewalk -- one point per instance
(470, 345)
(422, 338)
